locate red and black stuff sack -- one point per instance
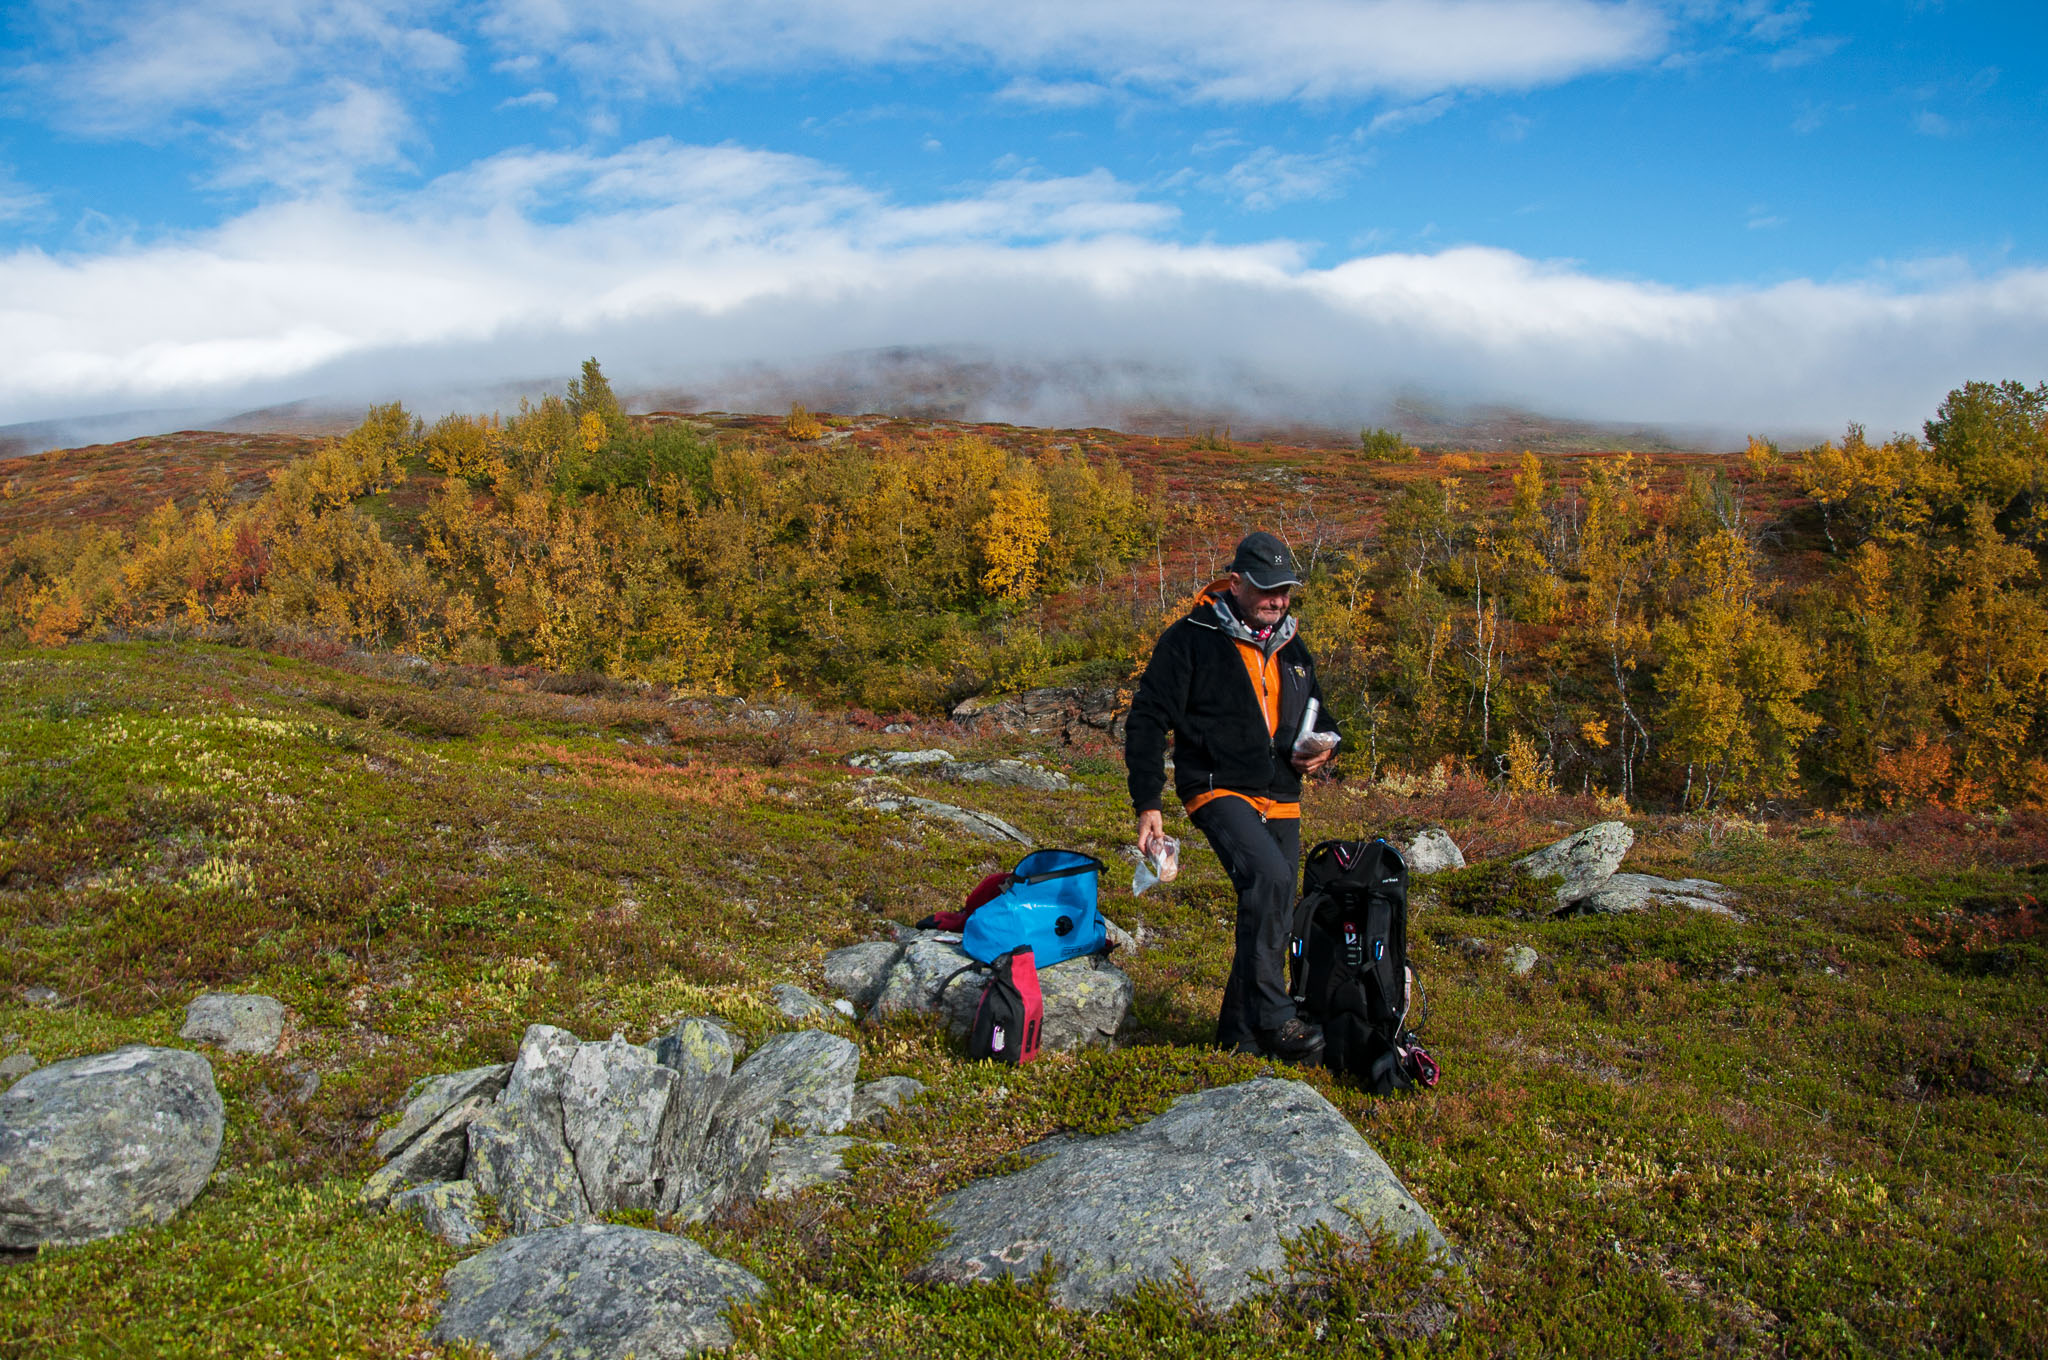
(1011, 1012)
(957, 920)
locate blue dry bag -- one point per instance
(1048, 906)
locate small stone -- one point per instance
(846, 1008)
(17, 1065)
(93, 1146)
(1520, 960)
(874, 1101)
(593, 1290)
(1472, 947)
(1432, 852)
(896, 727)
(42, 998)
(447, 1209)
(798, 1004)
(235, 1022)
(797, 1164)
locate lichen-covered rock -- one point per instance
(518, 1153)
(930, 964)
(702, 1053)
(431, 1097)
(1639, 892)
(1583, 861)
(1216, 1184)
(858, 971)
(1520, 960)
(440, 1152)
(17, 1065)
(593, 1292)
(447, 1209)
(986, 825)
(618, 1119)
(1432, 852)
(1084, 1001)
(804, 1080)
(93, 1146)
(1014, 774)
(797, 1164)
(798, 1004)
(876, 1100)
(235, 1022)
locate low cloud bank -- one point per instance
(699, 269)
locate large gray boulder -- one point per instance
(1432, 852)
(804, 1080)
(1215, 1185)
(93, 1146)
(431, 1097)
(518, 1151)
(858, 971)
(924, 976)
(702, 1053)
(592, 1292)
(618, 1119)
(1084, 1000)
(1582, 861)
(235, 1022)
(1640, 892)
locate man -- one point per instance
(1231, 682)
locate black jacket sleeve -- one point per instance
(1159, 707)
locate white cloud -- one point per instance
(1410, 115)
(1201, 49)
(1054, 94)
(1269, 177)
(325, 146)
(532, 99)
(677, 263)
(19, 202)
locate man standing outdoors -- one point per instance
(1231, 682)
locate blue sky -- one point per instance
(1748, 215)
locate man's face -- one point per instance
(1260, 608)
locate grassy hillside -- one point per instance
(1817, 1131)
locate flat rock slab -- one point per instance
(432, 1097)
(986, 825)
(235, 1022)
(1583, 861)
(1214, 1184)
(858, 971)
(593, 1291)
(1015, 774)
(1640, 892)
(94, 1146)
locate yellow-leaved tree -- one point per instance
(1019, 523)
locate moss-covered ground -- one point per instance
(1815, 1131)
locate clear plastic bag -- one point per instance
(1161, 866)
(1308, 742)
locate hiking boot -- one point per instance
(1297, 1042)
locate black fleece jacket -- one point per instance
(1197, 688)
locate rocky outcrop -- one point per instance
(1581, 862)
(1215, 1185)
(1069, 712)
(571, 1131)
(1640, 892)
(235, 1022)
(1432, 852)
(93, 1146)
(1013, 774)
(798, 1004)
(593, 1290)
(878, 796)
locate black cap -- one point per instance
(1264, 561)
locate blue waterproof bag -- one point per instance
(1048, 906)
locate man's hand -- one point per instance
(1151, 829)
(1308, 765)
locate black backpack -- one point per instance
(1350, 964)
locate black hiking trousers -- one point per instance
(1263, 859)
